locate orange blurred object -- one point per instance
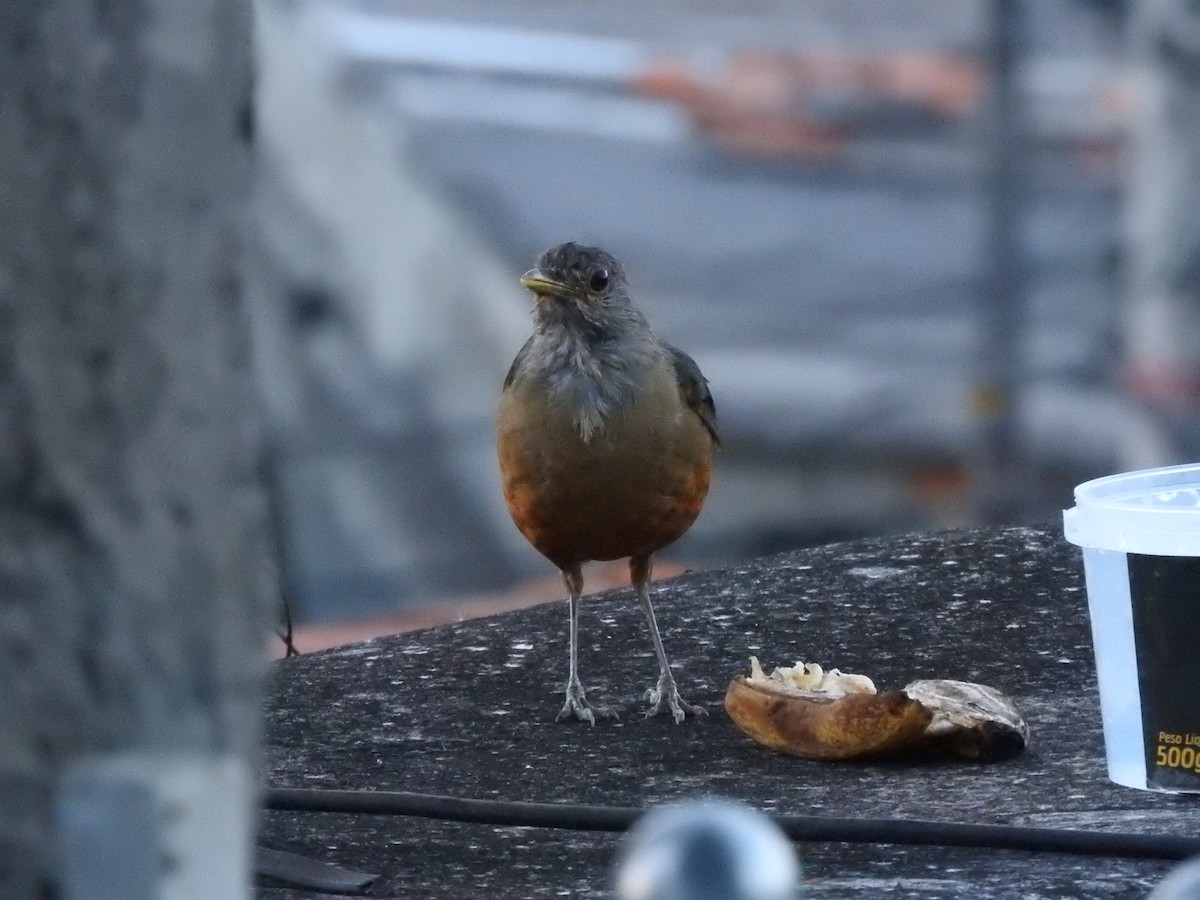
(761, 106)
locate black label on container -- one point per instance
(1165, 594)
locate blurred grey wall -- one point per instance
(136, 573)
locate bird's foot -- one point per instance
(578, 706)
(665, 696)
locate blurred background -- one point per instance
(933, 257)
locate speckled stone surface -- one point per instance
(469, 710)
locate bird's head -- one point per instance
(581, 288)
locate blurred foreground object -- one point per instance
(135, 566)
(1182, 884)
(707, 850)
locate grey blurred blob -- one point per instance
(1182, 884)
(707, 850)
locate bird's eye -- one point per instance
(599, 280)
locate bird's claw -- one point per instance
(578, 707)
(665, 696)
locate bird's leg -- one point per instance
(577, 704)
(665, 695)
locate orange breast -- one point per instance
(635, 487)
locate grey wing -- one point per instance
(694, 387)
(518, 361)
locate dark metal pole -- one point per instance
(1001, 315)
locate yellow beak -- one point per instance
(537, 282)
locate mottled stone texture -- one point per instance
(134, 564)
(468, 710)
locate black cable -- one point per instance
(578, 817)
(570, 816)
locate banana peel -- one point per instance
(808, 712)
(970, 720)
(819, 727)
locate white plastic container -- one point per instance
(1140, 534)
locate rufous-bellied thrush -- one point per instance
(606, 436)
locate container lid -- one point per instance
(1154, 511)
